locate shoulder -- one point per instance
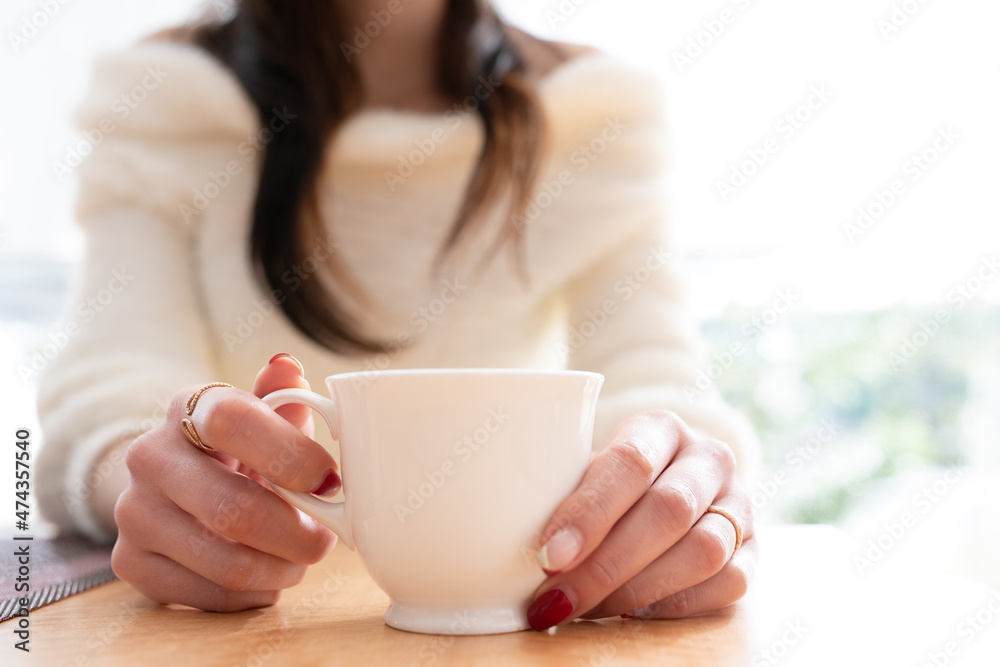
(542, 56)
(159, 115)
(606, 141)
(582, 87)
(183, 34)
(165, 85)
(595, 98)
(553, 64)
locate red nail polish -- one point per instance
(298, 363)
(330, 486)
(627, 616)
(551, 608)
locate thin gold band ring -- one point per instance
(715, 509)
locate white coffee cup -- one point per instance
(449, 476)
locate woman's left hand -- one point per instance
(634, 537)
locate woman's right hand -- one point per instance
(204, 529)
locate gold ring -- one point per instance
(188, 427)
(715, 509)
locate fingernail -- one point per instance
(302, 371)
(627, 616)
(560, 550)
(551, 608)
(331, 484)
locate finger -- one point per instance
(160, 527)
(238, 423)
(183, 539)
(721, 590)
(701, 553)
(240, 509)
(675, 502)
(164, 581)
(228, 502)
(620, 474)
(282, 372)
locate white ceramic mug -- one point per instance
(449, 476)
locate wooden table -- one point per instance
(809, 606)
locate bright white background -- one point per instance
(783, 229)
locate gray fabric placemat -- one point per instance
(58, 568)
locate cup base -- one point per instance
(459, 621)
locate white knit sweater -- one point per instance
(165, 201)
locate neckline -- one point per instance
(544, 85)
(371, 134)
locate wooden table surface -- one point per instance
(809, 605)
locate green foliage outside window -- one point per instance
(894, 383)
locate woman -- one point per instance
(374, 185)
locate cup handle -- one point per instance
(331, 515)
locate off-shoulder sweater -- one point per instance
(166, 296)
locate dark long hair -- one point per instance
(288, 53)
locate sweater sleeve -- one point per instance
(627, 314)
(628, 321)
(135, 324)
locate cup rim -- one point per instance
(439, 372)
